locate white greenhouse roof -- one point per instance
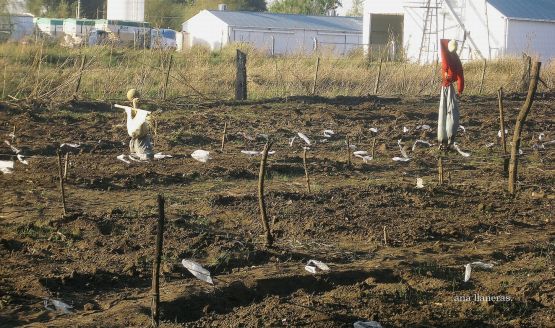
(535, 10)
(248, 19)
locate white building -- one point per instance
(50, 27)
(485, 28)
(126, 10)
(276, 33)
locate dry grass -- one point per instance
(50, 73)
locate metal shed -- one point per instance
(275, 33)
(52, 27)
(78, 27)
(485, 28)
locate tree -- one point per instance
(305, 7)
(357, 9)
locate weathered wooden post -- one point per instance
(66, 164)
(224, 136)
(483, 77)
(377, 85)
(315, 75)
(261, 200)
(62, 189)
(524, 110)
(525, 80)
(81, 68)
(167, 78)
(440, 169)
(348, 150)
(374, 148)
(155, 292)
(502, 129)
(241, 78)
(306, 171)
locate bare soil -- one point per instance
(98, 257)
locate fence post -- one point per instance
(241, 78)
(524, 110)
(525, 80)
(224, 136)
(261, 200)
(377, 85)
(62, 190)
(348, 151)
(483, 76)
(156, 265)
(167, 78)
(502, 127)
(315, 75)
(78, 85)
(440, 169)
(306, 171)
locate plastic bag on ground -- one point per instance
(197, 270)
(367, 324)
(201, 155)
(314, 265)
(6, 167)
(58, 306)
(419, 183)
(304, 137)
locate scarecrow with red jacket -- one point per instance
(451, 72)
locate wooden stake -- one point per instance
(66, 165)
(224, 137)
(155, 291)
(374, 148)
(377, 85)
(61, 176)
(261, 201)
(434, 73)
(483, 77)
(348, 150)
(35, 90)
(78, 85)
(524, 110)
(440, 169)
(385, 235)
(525, 80)
(315, 75)
(167, 78)
(241, 77)
(4, 84)
(306, 171)
(502, 127)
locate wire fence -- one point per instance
(54, 74)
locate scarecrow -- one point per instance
(451, 72)
(138, 127)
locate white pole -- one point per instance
(78, 9)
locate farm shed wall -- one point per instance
(492, 32)
(274, 33)
(283, 41)
(205, 29)
(22, 26)
(50, 26)
(78, 27)
(535, 38)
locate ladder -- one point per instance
(430, 36)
